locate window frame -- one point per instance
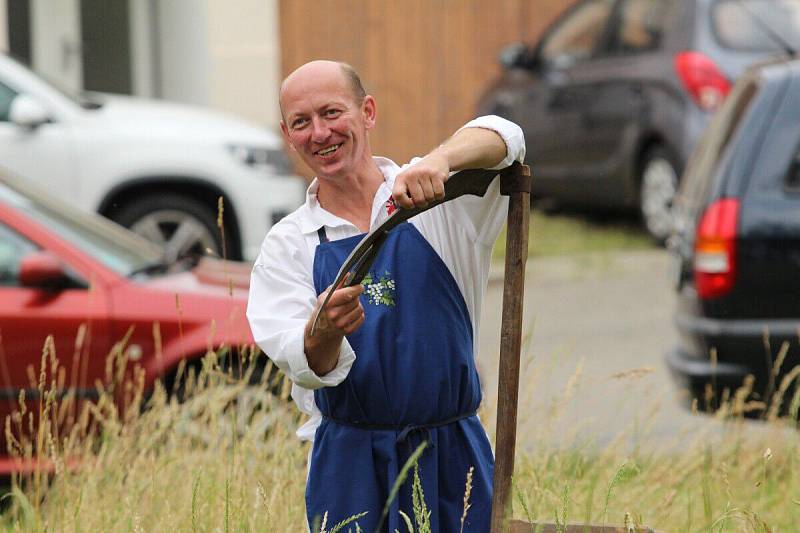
(5, 114)
(599, 45)
(613, 44)
(8, 232)
(727, 45)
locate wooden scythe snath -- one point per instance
(515, 182)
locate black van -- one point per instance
(736, 245)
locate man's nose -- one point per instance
(319, 130)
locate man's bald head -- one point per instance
(321, 68)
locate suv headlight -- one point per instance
(255, 157)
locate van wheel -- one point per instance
(658, 185)
(182, 225)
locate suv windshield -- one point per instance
(76, 97)
(118, 249)
(747, 24)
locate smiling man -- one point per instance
(392, 361)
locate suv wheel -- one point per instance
(182, 225)
(657, 188)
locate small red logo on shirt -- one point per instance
(391, 206)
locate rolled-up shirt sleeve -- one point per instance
(511, 133)
(486, 215)
(282, 298)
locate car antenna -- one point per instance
(766, 28)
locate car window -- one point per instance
(793, 175)
(639, 27)
(701, 168)
(6, 97)
(577, 35)
(117, 248)
(13, 247)
(746, 24)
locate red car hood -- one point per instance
(212, 291)
(225, 273)
(210, 276)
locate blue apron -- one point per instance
(413, 379)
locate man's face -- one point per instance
(325, 124)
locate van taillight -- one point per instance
(715, 249)
(702, 79)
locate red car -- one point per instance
(90, 284)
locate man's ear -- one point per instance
(285, 132)
(369, 111)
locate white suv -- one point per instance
(155, 167)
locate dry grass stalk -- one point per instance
(227, 455)
(467, 493)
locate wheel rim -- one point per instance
(659, 185)
(177, 231)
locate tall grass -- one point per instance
(736, 474)
(226, 459)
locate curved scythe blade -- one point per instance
(473, 181)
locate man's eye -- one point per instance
(299, 123)
(333, 113)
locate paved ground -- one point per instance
(596, 329)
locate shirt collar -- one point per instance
(316, 216)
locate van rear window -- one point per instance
(702, 166)
(752, 25)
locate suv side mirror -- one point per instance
(27, 112)
(43, 270)
(514, 56)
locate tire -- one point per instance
(658, 184)
(183, 225)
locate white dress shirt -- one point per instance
(282, 293)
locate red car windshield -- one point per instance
(120, 250)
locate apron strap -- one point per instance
(323, 237)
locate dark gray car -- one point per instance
(616, 93)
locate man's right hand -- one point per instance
(342, 315)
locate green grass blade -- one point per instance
(401, 478)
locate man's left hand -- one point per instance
(422, 182)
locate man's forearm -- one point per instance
(473, 148)
(343, 315)
(322, 351)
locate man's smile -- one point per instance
(328, 150)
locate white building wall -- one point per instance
(219, 53)
(3, 26)
(244, 58)
(56, 41)
(143, 37)
(183, 51)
